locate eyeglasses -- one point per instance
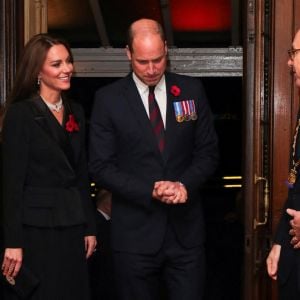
(292, 53)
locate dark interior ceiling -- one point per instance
(187, 23)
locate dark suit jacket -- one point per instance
(44, 171)
(125, 159)
(289, 257)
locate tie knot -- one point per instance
(151, 89)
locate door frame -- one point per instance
(268, 91)
(283, 95)
(285, 105)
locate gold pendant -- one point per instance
(292, 176)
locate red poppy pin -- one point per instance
(72, 125)
(175, 90)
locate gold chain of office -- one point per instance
(293, 171)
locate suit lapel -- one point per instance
(53, 129)
(170, 118)
(135, 102)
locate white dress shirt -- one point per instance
(105, 215)
(160, 95)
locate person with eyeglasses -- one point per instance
(292, 52)
(283, 259)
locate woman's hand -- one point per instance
(12, 261)
(90, 244)
(272, 261)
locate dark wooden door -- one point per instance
(270, 111)
(256, 149)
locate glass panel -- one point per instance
(201, 23)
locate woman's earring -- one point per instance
(38, 81)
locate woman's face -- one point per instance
(56, 72)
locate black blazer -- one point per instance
(289, 257)
(44, 170)
(125, 159)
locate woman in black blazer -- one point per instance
(49, 226)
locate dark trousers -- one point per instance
(290, 290)
(174, 273)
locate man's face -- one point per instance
(148, 58)
(294, 59)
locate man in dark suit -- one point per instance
(154, 160)
(283, 259)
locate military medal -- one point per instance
(179, 118)
(194, 117)
(178, 112)
(186, 112)
(193, 110)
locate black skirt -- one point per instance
(57, 258)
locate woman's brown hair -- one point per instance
(32, 60)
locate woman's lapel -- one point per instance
(57, 133)
(73, 136)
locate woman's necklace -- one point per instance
(55, 107)
(293, 171)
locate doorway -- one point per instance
(222, 194)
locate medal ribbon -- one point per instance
(192, 106)
(178, 109)
(185, 107)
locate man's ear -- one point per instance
(128, 52)
(166, 48)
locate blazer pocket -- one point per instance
(39, 201)
(52, 207)
(37, 210)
